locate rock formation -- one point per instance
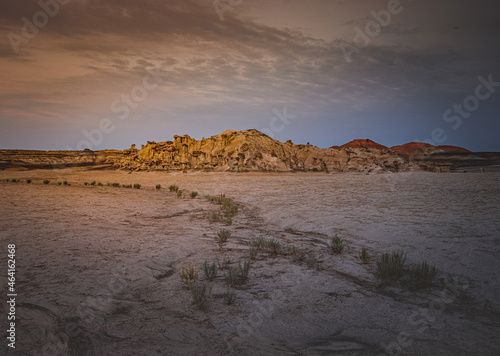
(251, 150)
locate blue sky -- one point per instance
(332, 70)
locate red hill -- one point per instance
(363, 143)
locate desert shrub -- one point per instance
(200, 294)
(273, 246)
(28, 181)
(46, 181)
(244, 269)
(189, 274)
(99, 184)
(127, 186)
(65, 182)
(228, 206)
(193, 195)
(232, 275)
(179, 193)
(253, 251)
(173, 188)
(93, 183)
(228, 221)
(85, 183)
(137, 186)
(117, 185)
(229, 297)
(59, 183)
(391, 266)
(214, 217)
(210, 270)
(364, 255)
(158, 187)
(108, 184)
(421, 275)
(223, 235)
(14, 180)
(336, 244)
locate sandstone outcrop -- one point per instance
(251, 150)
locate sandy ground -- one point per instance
(98, 267)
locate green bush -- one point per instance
(93, 183)
(28, 181)
(210, 270)
(14, 180)
(173, 188)
(99, 184)
(214, 217)
(193, 194)
(59, 183)
(46, 181)
(117, 185)
(65, 182)
(137, 186)
(421, 275)
(336, 244)
(229, 297)
(85, 183)
(200, 294)
(158, 187)
(127, 186)
(391, 266)
(223, 235)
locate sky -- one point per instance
(105, 74)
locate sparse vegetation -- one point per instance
(200, 294)
(65, 182)
(214, 217)
(232, 275)
(99, 184)
(46, 181)
(271, 245)
(137, 186)
(127, 186)
(179, 193)
(85, 183)
(93, 183)
(189, 274)
(225, 262)
(228, 206)
(421, 275)
(336, 244)
(14, 180)
(210, 270)
(223, 235)
(193, 195)
(253, 251)
(28, 181)
(59, 183)
(173, 188)
(229, 297)
(117, 185)
(391, 266)
(158, 187)
(364, 255)
(244, 269)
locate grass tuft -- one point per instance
(364, 255)
(223, 235)
(193, 195)
(229, 297)
(421, 275)
(189, 274)
(200, 294)
(210, 270)
(173, 188)
(391, 266)
(336, 244)
(158, 187)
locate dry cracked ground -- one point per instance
(98, 266)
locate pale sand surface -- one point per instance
(98, 267)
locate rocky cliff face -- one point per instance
(251, 150)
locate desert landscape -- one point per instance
(99, 266)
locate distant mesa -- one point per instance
(253, 151)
